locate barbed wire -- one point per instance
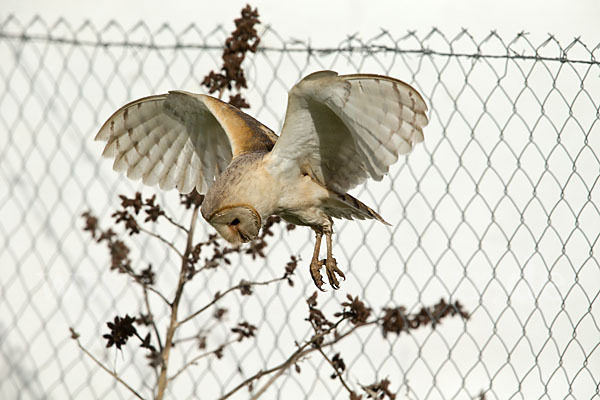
(295, 45)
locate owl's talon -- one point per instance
(332, 269)
(315, 273)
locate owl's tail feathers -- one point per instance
(349, 207)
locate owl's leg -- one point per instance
(316, 264)
(331, 264)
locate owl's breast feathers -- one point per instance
(245, 181)
(295, 196)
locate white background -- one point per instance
(327, 22)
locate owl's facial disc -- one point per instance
(236, 224)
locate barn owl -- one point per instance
(338, 131)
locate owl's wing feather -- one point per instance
(343, 129)
(180, 140)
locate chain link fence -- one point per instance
(498, 209)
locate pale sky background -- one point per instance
(326, 22)
(534, 294)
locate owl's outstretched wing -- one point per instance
(180, 140)
(342, 129)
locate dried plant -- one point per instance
(207, 255)
(157, 337)
(122, 329)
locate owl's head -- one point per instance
(237, 224)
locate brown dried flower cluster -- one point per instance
(316, 317)
(119, 251)
(242, 40)
(192, 199)
(244, 330)
(121, 329)
(355, 310)
(377, 390)
(396, 320)
(290, 268)
(135, 205)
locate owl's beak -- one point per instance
(238, 233)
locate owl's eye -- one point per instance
(234, 222)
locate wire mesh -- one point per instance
(498, 209)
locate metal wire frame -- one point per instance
(498, 209)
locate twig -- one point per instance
(339, 375)
(155, 328)
(162, 239)
(159, 294)
(113, 374)
(189, 338)
(298, 354)
(281, 367)
(221, 295)
(173, 324)
(175, 223)
(199, 357)
(275, 376)
(197, 336)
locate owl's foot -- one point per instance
(332, 269)
(330, 263)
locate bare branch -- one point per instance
(219, 296)
(153, 323)
(194, 360)
(113, 374)
(162, 239)
(159, 294)
(301, 352)
(175, 223)
(337, 373)
(173, 324)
